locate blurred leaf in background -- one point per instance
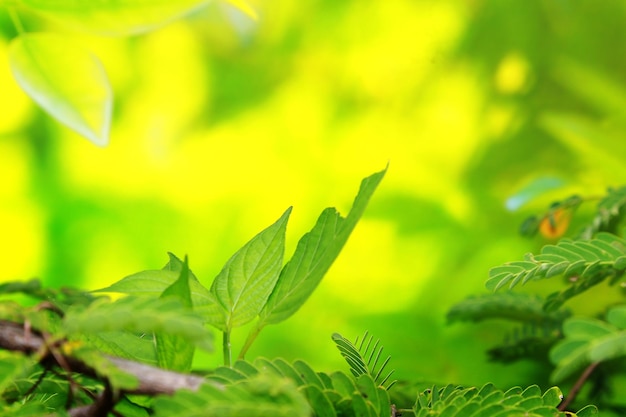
(221, 121)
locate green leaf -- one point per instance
(227, 375)
(591, 261)
(66, 80)
(374, 394)
(139, 315)
(263, 395)
(246, 368)
(246, 281)
(608, 347)
(569, 356)
(361, 407)
(152, 283)
(103, 367)
(508, 305)
(319, 401)
(364, 360)
(315, 253)
(343, 384)
(267, 366)
(287, 370)
(12, 365)
(488, 401)
(587, 411)
(133, 346)
(582, 328)
(308, 374)
(114, 17)
(553, 397)
(175, 352)
(617, 317)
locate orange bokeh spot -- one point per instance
(555, 224)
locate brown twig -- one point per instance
(152, 380)
(578, 386)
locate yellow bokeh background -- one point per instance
(222, 122)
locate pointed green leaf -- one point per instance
(133, 346)
(263, 395)
(566, 348)
(319, 402)
(246, 281)
(580, 250)
(586, 328)
(494, 397)
(588, 411)
(548, 258)
(604, 242)
(557, 269)
(175, 352)
(152, 283)
(180, 288)
(577, 358)
(468, 410)
(139, 315)
(608, 347)
(343, 384)
(361, 407)
(288, 371)
(553, 397)
(66, 80)
(617, 316)
(315, 253)
(350, 354)
(12, 365)
(246, 368)
(267, 366)
(226, 373)
(532, 391)
(114, 17)
(560, 250)
(597, 250)
(367, 386)
(308, 374)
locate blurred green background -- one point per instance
(222, 122)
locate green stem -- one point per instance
(15, 18)
(226, 348)
(249, 340)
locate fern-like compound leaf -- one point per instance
(327, 395)
(610, 211)
(586, 263)
(365, 358)
(452, 401)
(262, 395)
(521, 307)
(589, 341)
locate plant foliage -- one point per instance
(365, 358)
(588, 262)
(573, 345)
(66, 80)
(589, 341)
(488, 401)
(133, 356)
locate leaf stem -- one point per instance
(249, 340)
(15, 18)
(577, 386)
(226, 348)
